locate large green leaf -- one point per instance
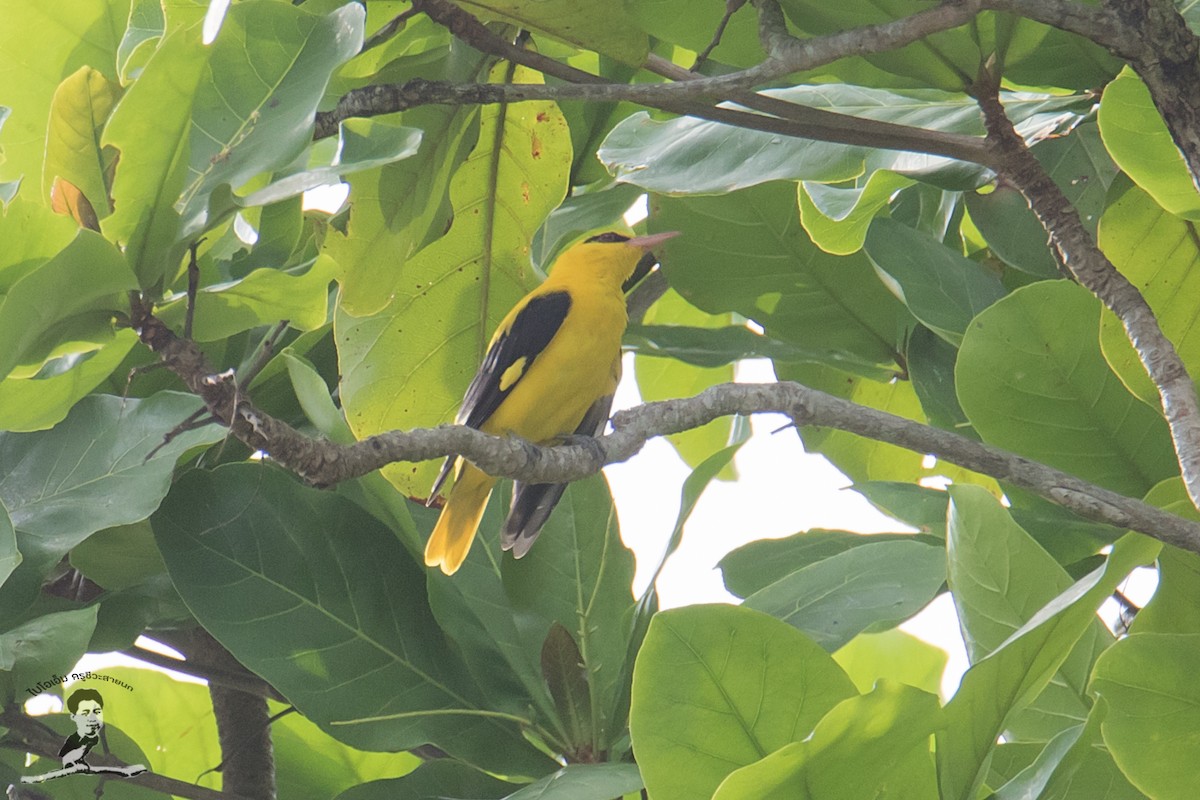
(719, 687)
(88, 473)
(600, 26)
(80, 108)
(1000, 578)
(1031, 379)
(894, 655)
(746, 252)
(42, 649)
(941, 288)
(10, 555)
(876, 745)
(1014, 674)
(40, 45)
(399, 208)
(42, 400)
(69, 298)
(439, 779)
(1138, 140)
(692, 25)
(584, 782)
(1073, 764)
(755, 566)
(687, 155)
(1160, 254)
(500, 610)
(264, 564)
(1147, 680)
(410, 364)
(235, 109)
(837, 218)
(835, 599)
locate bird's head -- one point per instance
(611, 257)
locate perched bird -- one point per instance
(550, 372)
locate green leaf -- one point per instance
(500, 610)
(919, 506)
(1012, 231)
(862, 748)
(410, 364)
(264, 296)
(150, 127)
(253, 111)
(1160, 254)
(40, 45)
(582, 213)
(1000, 578)
(755, 566)
(746, 252)
(78, 112)
(694, 485)
(894, 655)
(70, 297)
(692, 25)
(1015, 673)
(371, 667)
(931, 361)
(837, 218)
(434, 780)
(1147, 680)
(584, 782)
(666, 378)
(88, 473)
(718, 687)
(833, 600)
(713, 347)
(1073, 764)
(40, 649)
(147, 24)
(1175, 606)
(10, 556)
(119, 557)
(362, 144)
(941, 288)
(309, 765)
(687, 155)
(566, 677)
(44, 399)
(1138, 140)
(235, 109)
(603, 27)
(1032, 380)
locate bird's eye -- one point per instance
(611, 237)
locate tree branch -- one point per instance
(1079, 253)
(323, 463)
(789, 119)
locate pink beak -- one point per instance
(653, 240)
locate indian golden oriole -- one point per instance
(550, 372)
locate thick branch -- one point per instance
(1079, 253)
(323, 463)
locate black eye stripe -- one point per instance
(609, 238)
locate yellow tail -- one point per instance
(455, 529)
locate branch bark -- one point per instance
(323, 463)
(1079, 253)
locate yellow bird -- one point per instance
(550, 372)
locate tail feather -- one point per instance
(531, 507)
(456, 527)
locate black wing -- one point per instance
(512, 353)
(533, 502)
